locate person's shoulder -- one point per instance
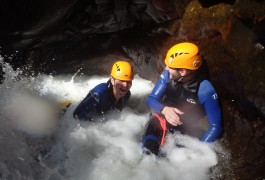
(206, 87)
(206, 83)
(102, 87)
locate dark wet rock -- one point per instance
(244, 141)
(1, 74)
(252, 15)
(62, 37)
(206, 3)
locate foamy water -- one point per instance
(69, 149)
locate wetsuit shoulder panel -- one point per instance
(91, 101)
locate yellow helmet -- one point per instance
(184, 55)
(122, 70)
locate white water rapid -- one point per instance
(36, 144)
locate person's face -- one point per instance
(120, 87)
(174, 73)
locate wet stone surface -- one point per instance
(63, 37)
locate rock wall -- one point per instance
(62, 36)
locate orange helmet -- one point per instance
(122, 70)
(184, 55)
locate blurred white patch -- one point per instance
(33, 114)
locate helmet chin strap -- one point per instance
(114, 79)
(186, 77)
(180, 79)
(114, 85)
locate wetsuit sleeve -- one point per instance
(209, 99)
(88, 104)
(153, 100)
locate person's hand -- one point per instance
(171, 115)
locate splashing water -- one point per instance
(36, 144)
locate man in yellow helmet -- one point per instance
(113, 94)
(183, 100)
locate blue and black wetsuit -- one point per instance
(199, 102)
(98, 101)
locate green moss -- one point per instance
(218, 13)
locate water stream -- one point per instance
(38, 144)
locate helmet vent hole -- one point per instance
(180, 53)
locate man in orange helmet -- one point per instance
(183, 100)
(113, 94)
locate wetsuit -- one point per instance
(199, 102)
(98, 101)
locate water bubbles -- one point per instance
(110, 149)
(259, 46)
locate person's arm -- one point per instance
(91, 101)
(153, 100)
(209, 99)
